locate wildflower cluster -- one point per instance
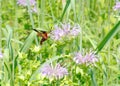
(88, 59)
(65, 30)
(31, 2)
(54, 72)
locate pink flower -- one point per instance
(31, 2)
(117, 6)
(75, 30)
(65, 30)
(54, 72)
(24, 2)
(57, 33)
(78, 58)
(89, 58)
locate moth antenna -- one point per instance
(35, 30)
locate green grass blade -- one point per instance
(42, 16)
(11, 59)
(107, 38)
(66, 6)
(28, 42)
(7, 69)
(74, 9)
(30, 13)
(93, 79)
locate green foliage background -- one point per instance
(24, 57)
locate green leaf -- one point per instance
(9, 46)
(28, 42)
(66, 6)
(107, 38)
(93, 79)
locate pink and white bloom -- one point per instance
(24, 2)
(78, 58)
(65, 30)
(89, 58)
(75, 30)
(31, 2)
(54, 72)
(57, 33)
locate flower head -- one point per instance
(24, 2)
(75, 30)
(31, 2)
(64, 30)
(78, 58)
(117, 6)
(54, 72)
(89, 58)
(57, 33)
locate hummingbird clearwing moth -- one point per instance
(42, 34)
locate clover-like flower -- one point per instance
(117, 6)
(56, 72)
